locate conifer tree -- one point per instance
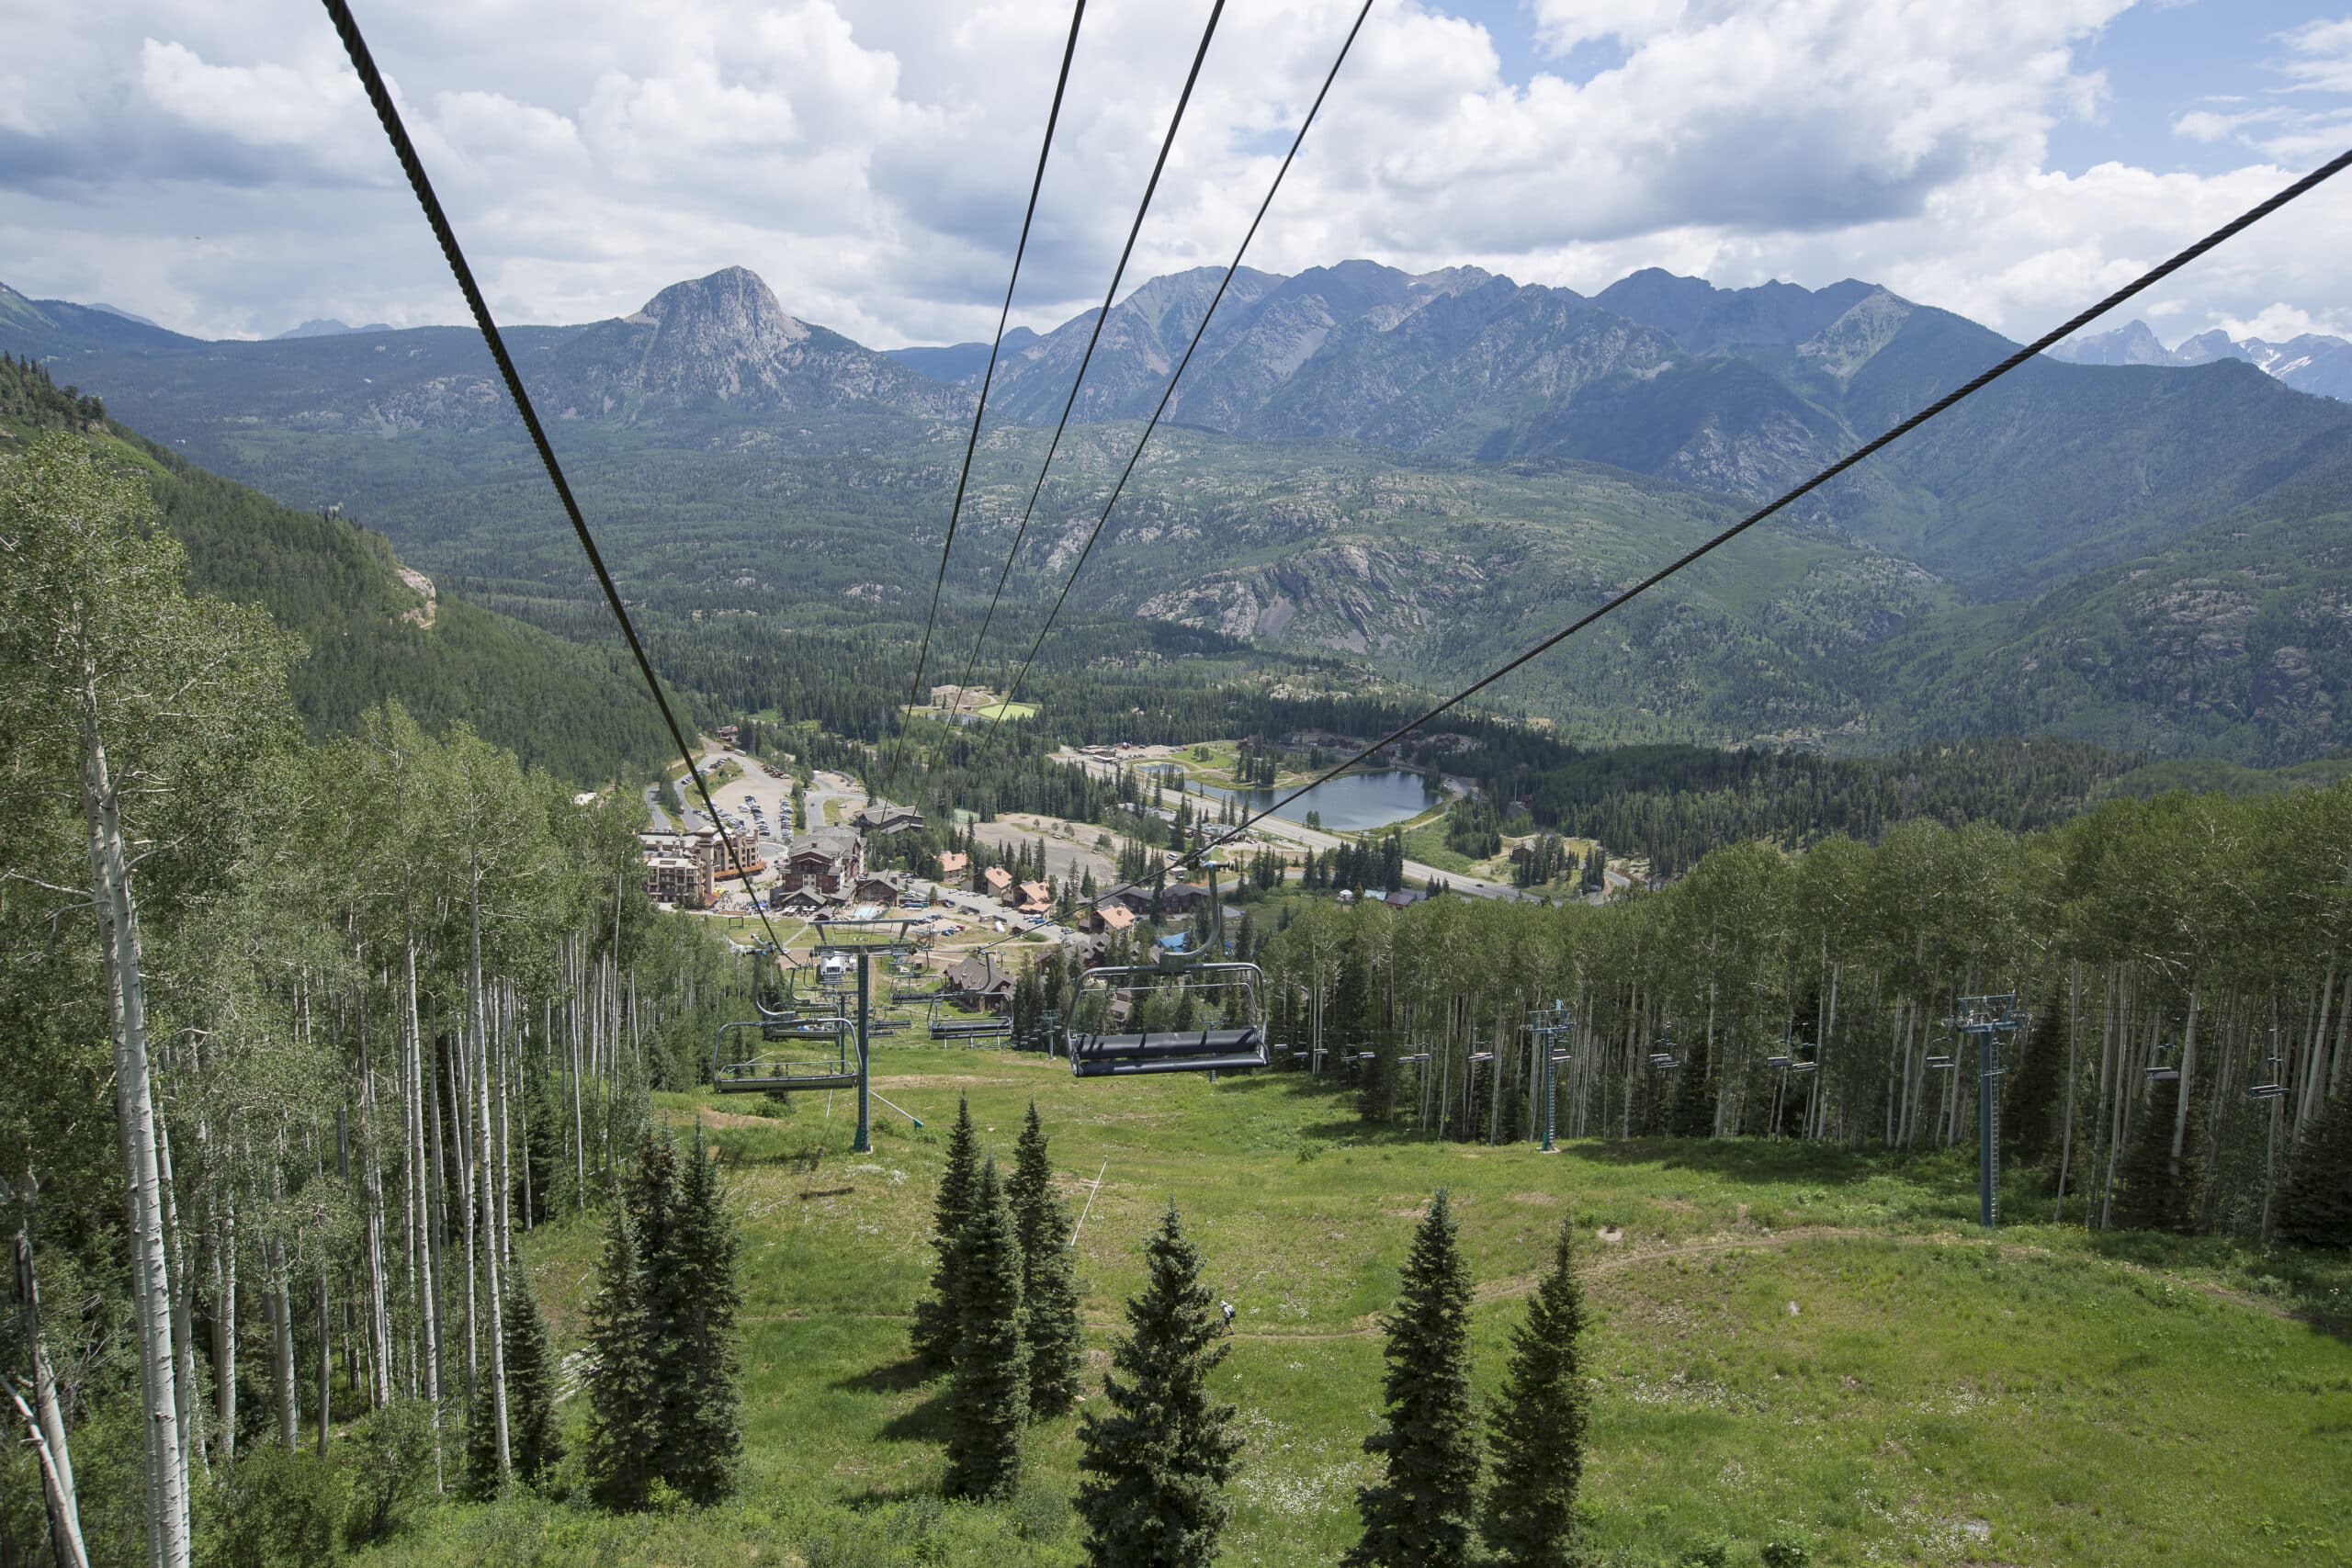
(2315, 1210)
(1539, 1429)
(1156, 1456)
(1057, 1338)
(535, 1439)
(703, 1415)
(1417, 1514)
(2030, 1095)
(2153, 1198)
(936, 1326)
(987, 1399)
(624, 1404)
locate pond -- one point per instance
(1352, 803)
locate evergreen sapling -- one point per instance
(1417, 1514)
(704, 1406)
(624, 1405)
(987, 1398)
(936, 1325)
(1538, 1430)
(1157, 1454)
(1056, 1336)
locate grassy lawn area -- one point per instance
(1787, 1341)
(1008, 710)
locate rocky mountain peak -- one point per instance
(732, 310)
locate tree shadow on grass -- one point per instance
(923, 1423)
(1743, 1159)
(895, 1378)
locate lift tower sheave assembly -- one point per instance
(784, 1061)
(859, 943)
(1991, 1019)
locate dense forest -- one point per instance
(573, 708)
(2168, 958)
(337, 1019)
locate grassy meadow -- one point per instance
(1791, 1345)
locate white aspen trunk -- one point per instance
(2307, 1103)
(380, 1335)
(281, 1353)
(44, 1421)
(326, 1362)
(224, 1323)
(578, 1125)
(182, 1290)
(486, 1164)
(422, 1273)
(2120, 1021)
(1820, 1117)
(461, 1128)
(2187, 1067)
(167, 1508)
(2343, 1016)
(2073, 1054)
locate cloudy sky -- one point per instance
(212, 164)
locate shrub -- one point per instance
(276, 1509)
(391, 1458)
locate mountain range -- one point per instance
(2313, 362)
(1420, 472)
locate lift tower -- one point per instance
(1991, 1019)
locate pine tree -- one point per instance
(936, 1326)
(987, 1399)
(1417, 1514)
(2315, 1209)
(2030, 1095)
(624, 1404)
(1048, 1278)
(703, 1416)
(534, 1441)
(1156, 1456)
(2152, 1198)
(534, 1428)
(1539, 1429)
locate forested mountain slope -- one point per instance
(1423, 474)
(373, 631)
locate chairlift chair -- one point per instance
(1233, 992)
(2273, 1084)
(1939, 1058)
(814, 1053)
(2164, 1071)
(1667, 1060)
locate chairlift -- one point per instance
(2273, 1084)
(1939, 1058)
(2161, 1070)
(987, 1026)
(1666, 1060)
(1175, 984)
(800, 1054)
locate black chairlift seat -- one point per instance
(1167, 1051)
(765, 1072)
(970, 1028)
(1665, 1061)
(2267, 1091)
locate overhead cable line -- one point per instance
(1053, 116)
(2146, 280)
(1169, 391)
(1110, 294)
(405, 150)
